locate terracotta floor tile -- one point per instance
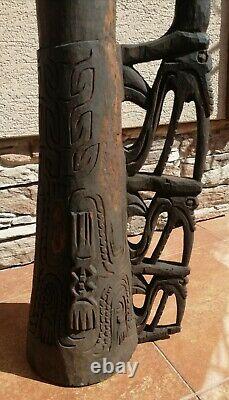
(173, 248)
(201, 352)
(154, 376)
(218, 226)
(220, 392)
(15, 282)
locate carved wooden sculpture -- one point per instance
(184, 70)
(85, 272)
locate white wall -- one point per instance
(138, 20)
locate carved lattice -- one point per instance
(184, 70)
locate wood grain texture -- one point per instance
(185, 70)
(85, 274)
(82, 277)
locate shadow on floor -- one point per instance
(13, 327)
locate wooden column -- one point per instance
(81, 305)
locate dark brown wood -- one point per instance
(81, 306)
(85, 274)
(185, 70)
(191, 16)
(68, 21)
(186, 35)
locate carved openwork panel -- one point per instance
(184, 70)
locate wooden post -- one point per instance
(81, 308)
(81, 305)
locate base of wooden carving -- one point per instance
(64, 367)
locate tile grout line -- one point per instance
(16, 267)
(177, 372)
(209, 231)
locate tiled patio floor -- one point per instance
(191, 365)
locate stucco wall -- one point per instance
(138, 20)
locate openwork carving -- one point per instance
(185, 70)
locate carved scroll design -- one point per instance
(167, 277)
(91, 316)
(68, 148)
(189, 82)
(154, 330)
(185, 70)
(68, 138)
(123, 311)
(82, 250)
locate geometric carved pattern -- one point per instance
(69, 133)
(85, 273)
(81, 306)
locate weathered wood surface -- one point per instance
(81, 306)
(185, 70)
